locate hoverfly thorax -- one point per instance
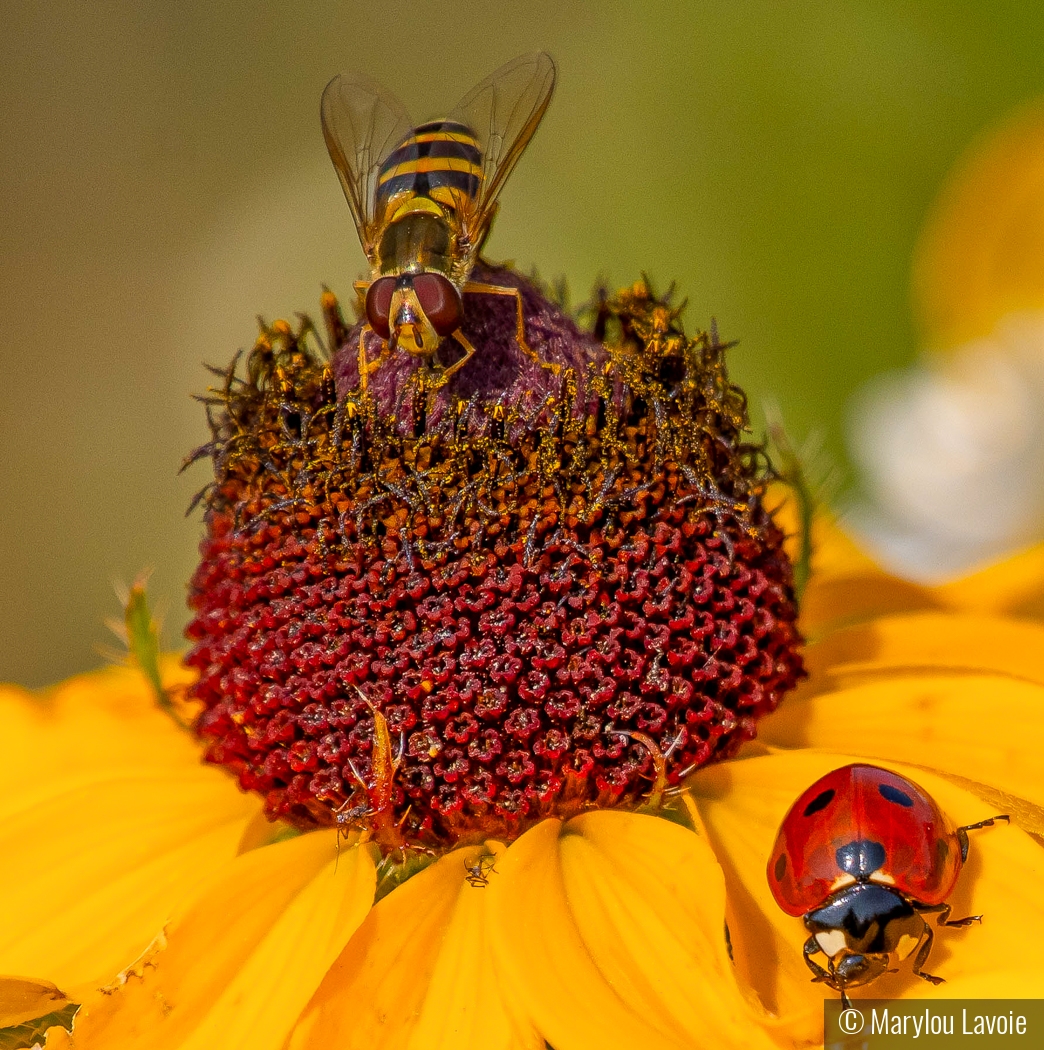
(415, 302)
(423, 196)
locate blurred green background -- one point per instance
(164, 180)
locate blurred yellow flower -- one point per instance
(148, 889)
(952, 448)
(978, 256)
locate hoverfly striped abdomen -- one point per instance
(440, 155)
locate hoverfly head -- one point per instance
(414, 311)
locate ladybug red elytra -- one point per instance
(863, 855)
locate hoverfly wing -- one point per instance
(362, 124)
(503, 112)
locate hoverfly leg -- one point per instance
(468, 351)
(361, 288)
(364, 368)
(367, 366)
(520, 324)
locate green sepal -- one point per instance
(34, 1032)
(143, 642)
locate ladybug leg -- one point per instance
(962, 833)
(922, 958)
(966, 921)
(944, 916)
(818, 973)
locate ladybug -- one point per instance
(864, 854)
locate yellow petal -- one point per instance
(25, 998)
(609, 932)
(240, 963)
(742, 828)
(833, 551)
(979, 254)
(1014, 586)
(985, 728)
(648, 900)
(830, 602)
(933, 641)
(1022, 983)
(743, 803)
(465, 1002)
(92, 725)
(418, 973)
(846, 585)
(90, 875)
(542, 959)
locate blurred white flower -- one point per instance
(952, 455)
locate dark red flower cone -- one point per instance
(446, 603)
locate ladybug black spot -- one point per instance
(821, 801)
(894, 794)
(862, 857)
(780, 868)
(942, 852)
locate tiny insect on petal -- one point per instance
(418, 973)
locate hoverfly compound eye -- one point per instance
(378, 305)
(440, 302)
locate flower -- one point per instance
(603, 931)
(952, 448)
(646, 925)
(445, 603)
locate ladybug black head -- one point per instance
(863, 929)
(850, 971)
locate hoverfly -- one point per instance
(423, 198)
